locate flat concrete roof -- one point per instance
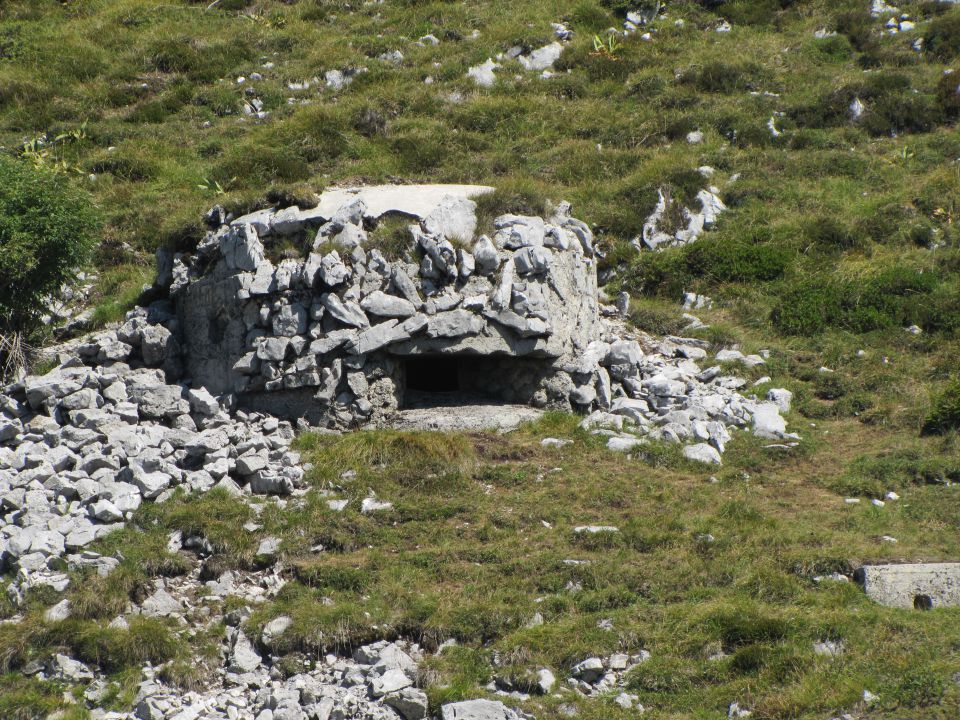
(415, 200)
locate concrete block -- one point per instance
(915, 585)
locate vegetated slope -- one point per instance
(832, 218)
(841, 232)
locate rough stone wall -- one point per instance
(320, 337)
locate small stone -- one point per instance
(244, 658)
(268, 547)
(58, 612)
(161, 604)
(372, 504)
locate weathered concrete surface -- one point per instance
(920, 585)
(212, 325)
(464, 418)
(415, 200)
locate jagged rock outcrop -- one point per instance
(286, 337)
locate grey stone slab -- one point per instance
(912, 585)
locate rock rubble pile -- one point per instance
(84, 445)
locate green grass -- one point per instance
(838, 235)
(476, 545)
(466, 555)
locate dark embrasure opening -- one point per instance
(432, 374)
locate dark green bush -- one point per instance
(663, 675)
(515, 196)
(711, 260)
(807, 308)
(858, 26)
(920, 687)
(622, 7)
(945, 414)
(902, 112)
(831, 386)
(748, 626)
(948, 95)
(48, 229)
(827, 233)
(726, 260)
(747, 12)
(834, 47)
(898, 296)
(196, 60)
(656, 319)
(942, 37)
(890, 105)
(903, 467)
(598, 66)
(721, 77)
(591, 18)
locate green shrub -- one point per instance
(721, 77)
(920, 687)
(622, 7)
(890, 105)
(591, 18)
(24, 697)
(948, 95)
(942, 37)
(897, 296)
(727, 260)
(807, 308)
(748, 626)
(656, 319)
(827, 233)
(902, 112)
(598, 66)
(945, 414)
(516, 197)
(712, 260)
(47, 231)
(834, 47)
(874, 475)
(663, 675)
(749, 12)
(858, 26)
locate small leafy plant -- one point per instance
(214, 186)
(607, 49)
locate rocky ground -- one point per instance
(772, 183)
(85, 445)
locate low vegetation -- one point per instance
(47, 231)
(480, 542)
(841, 233)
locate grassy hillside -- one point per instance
(840, 234)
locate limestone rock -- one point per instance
(477, 710)
(389, 306)
(243, 657)
(453, 219)
(241, 248)
(702, 452)
(485, 255)
(348, 313)
(410, 703)
(454, 324)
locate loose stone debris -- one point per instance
(205, 386)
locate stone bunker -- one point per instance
(319, 314)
